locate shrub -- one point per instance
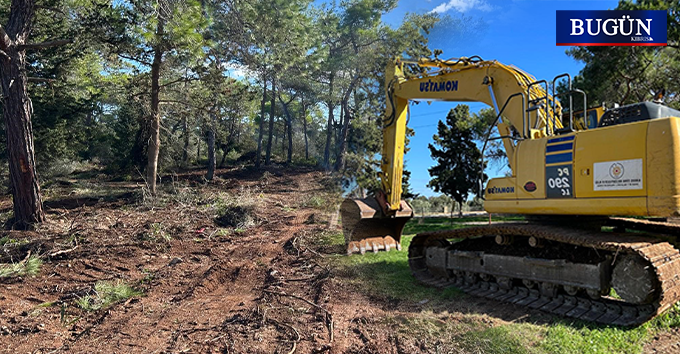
(238, 210)
(29, 266)
(107, 294)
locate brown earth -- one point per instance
(263, 289)
(257, 290)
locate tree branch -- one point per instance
(185, 103)
(4, 55)
(53, 9)
(4, 39)
(43, 45)
(135, 59)
(40, 79)
(182, 79)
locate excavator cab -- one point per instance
(591, 121)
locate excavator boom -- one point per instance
(573, 172)
(376, 223)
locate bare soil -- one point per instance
(263, 289)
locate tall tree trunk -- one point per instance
(211, 146)
(338, 130)
(268, 156)
(340, 161)
(329, 127)
(139, 149)
(155, 138)
(284, 131)
(304, 128)
(258, 157)
(289, 129)
(185, 151)
(185, 123)
(17, 111)
(289, 158)
(224, 158)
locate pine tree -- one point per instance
(459, 161)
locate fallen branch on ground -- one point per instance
(329, 315)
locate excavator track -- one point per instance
(437, 262)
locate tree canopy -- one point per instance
(459, 167)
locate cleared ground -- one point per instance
(248, 264)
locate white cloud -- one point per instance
(462, 6)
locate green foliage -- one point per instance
(91, 98)
(627, 75)
(8, 241)
(107, 294)
(28, 267)
(571, 338)
(157, 232)
(459, 162)
(668, 320)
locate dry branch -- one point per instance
(58, 253)
(329, 315)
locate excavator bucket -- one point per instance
(366, 227)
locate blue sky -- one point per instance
(518, 32)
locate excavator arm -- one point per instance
(527, 109)
(527, 112)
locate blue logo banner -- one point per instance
(612, 28)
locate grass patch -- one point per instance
(467, 334)
(417, 224)
(330, 238)
(8, 241)
(157, 233)
(569, 338)
(327, 201)
(510, 339)
(107, 294)
(29, 266)
(385, 274)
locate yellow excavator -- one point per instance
(575, 172)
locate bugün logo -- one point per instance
(611, 26)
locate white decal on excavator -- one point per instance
(617, 175)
